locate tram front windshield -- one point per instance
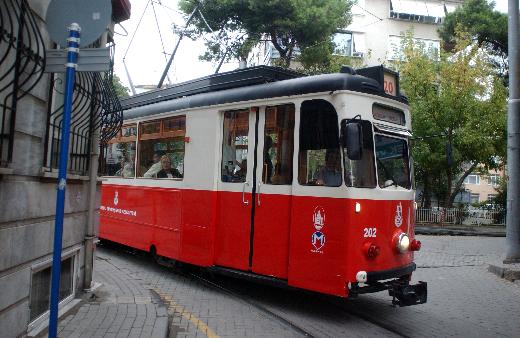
(392, 162)
(391, 156)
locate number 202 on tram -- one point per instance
(304, 180)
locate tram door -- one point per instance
(272, 210)
(235, 189)
(252, 231)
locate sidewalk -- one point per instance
(511, 272)
(460, 230)
(119, 307)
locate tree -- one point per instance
(287, 24)
(458, 108)
(482, 22)
(120, 89)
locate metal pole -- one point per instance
(513, 140)
(163, 76)
(72, 61)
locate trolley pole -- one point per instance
(513, 139)
(72, 61)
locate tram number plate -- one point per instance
(370, 232)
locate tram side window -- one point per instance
(161, 148)
(234, 146)
(319, 159)
(278, 145)
(361, 173)
(118, 156)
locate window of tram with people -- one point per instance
(278, 145)
(319, 158)
(118, 156)
(161, 148)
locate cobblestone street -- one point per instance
(464, 299)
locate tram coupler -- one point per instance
(405, 294)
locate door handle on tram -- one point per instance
(244, 193)
(258, 193)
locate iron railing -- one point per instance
(22, 61)
(95, 106)
(468, 216)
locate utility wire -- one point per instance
(136, 28)
(160, 37)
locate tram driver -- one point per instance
(330, 174)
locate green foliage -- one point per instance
(241, 24)
(455, 99)
(483, 23)
(120, 89)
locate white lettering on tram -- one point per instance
(118, 211)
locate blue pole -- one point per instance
(72, 60)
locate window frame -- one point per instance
(161, 135)
(42, 265)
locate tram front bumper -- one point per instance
(397, 282)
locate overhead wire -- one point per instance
(136, 29)
(160, 37)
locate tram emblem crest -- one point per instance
(116, 199)
(318, 237)
(398, 220)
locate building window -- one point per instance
(41, 287)
(474, 198)
(493, 179)
(349, 44)
(491, 197)
(472, 179)
(418, 11)
(395, 47)
(161, 148)
(343, 44)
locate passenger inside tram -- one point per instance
(167, 171)
(156, 166)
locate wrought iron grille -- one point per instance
(95, 106)
(22, 60)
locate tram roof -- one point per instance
(248, 84)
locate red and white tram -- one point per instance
(262, 172)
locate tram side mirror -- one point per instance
(352, 135)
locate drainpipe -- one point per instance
(90, 235)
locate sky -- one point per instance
(143, 53)
(138, 44)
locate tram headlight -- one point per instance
(403, 243)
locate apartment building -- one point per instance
(377, 28)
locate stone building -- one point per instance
(31, 111)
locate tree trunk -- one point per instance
(456, 190)
(427, 195)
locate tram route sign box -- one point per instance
(93, 17)
(387, 78)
